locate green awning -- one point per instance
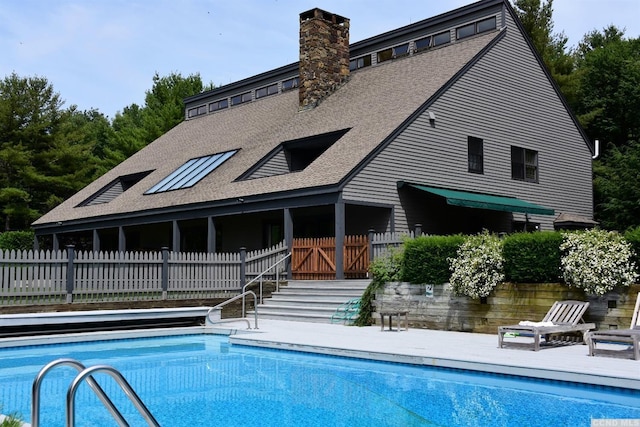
(483, 201)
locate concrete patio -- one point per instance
(566, 362)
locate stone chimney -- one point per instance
(324, 55)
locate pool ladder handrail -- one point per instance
(86, 373)
(230, 300)
(260, 278)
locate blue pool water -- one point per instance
(202, 380)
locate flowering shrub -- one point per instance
(478, 266)
(597, 261)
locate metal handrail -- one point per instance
(230, 300)
(122, 382)
(259, 276)
(37, 382)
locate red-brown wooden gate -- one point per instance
(315, 258)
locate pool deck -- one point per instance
(444, 349)
(448, 349)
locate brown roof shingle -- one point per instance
(373, 103)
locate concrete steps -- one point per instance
(310, 300)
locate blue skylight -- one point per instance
(190, 173)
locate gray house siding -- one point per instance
(506, 99)
(276, 165)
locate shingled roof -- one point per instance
(373, 104)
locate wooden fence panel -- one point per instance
(356, 257)
(314, 258)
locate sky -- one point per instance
(103, 54)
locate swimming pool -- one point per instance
(202, 380)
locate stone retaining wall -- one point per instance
(434, 306)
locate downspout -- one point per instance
(597, 150)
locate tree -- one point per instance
(164, 103)
(617, 188)
(137, 126)
(608, 71)
(537, 20)
(45, 154)
(30, 112)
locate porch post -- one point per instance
(122, 240)
(371, 232)
(56, 242)
(211, 235)
(340, 230)
(288, 237)
(96, 240)
(175, 236)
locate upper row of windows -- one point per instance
(386, 54)
(241, 98)
(424, 43)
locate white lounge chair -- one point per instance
(563, 317)
(629, 336)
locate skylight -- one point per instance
(191, 172)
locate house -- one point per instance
(451, 124)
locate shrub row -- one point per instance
(527, 257)
(16, 240)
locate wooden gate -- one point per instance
(315, 258)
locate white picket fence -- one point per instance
(54, 277)
(381, 243)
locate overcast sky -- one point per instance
(103, 53)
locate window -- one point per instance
(218, 105)
(267, 90)
(442, 38)
(423, 44)
(197, 111)
(475, 155)
(401, 50)
(363, 61)
(385, 55)
(486, 25)
(466, 31)
(524, 164)
(393, 52)
(476, 28)
(239, 99)
(290, 84)
(190, 173)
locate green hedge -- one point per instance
(532, 257)
(633, 237)
(16, 240)
(426, 258)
